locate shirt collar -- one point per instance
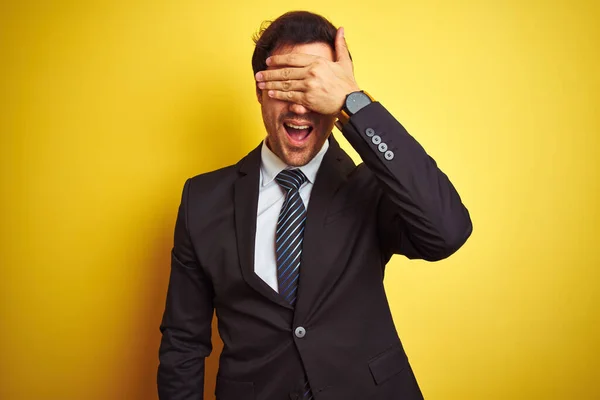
(271, 165)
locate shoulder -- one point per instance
(223, 179)
(206, 191)
(213, 180)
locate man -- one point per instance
(290, 245)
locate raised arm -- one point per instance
(420, 213)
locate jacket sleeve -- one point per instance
(186, 323)
(420, 214)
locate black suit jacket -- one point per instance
(358, 217)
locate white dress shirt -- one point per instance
(270, 201)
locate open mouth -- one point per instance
(298, 132)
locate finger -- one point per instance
(291, 96)
(291, 60)
(285, 86)
(341, 47)
(282, 74)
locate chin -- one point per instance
(297, 160)
(297, 147)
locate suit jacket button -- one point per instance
(300, 332)
(389, 155)
(376, 139)
(382, 147)
(370, 132)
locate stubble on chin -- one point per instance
(293, 158)
(298, 160)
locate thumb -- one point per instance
(341, 48)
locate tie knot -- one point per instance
(290, 179)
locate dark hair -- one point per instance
(294, 27)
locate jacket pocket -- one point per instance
(233, 390)
(388, 364)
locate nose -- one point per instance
(298, 109)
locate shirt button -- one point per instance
(300, 332)
(370, 132)
(376, 139)
(389, 155)
(382, 147)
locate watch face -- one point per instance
(356, 101)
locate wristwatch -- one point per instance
(354, 102)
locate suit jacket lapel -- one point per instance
(313, 286)
(246, 205)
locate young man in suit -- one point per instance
(290, 244)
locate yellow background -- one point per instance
(107, 107)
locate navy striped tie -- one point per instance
(290, 233)
(288, 241)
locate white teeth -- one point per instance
(297, 126)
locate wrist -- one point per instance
(353, 103)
